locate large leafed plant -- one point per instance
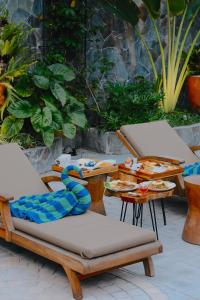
(181, 15)
(15, 59)
(47, 104)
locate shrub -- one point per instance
(130, 103)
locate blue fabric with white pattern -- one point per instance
(42, 208)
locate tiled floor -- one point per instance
(25, 276)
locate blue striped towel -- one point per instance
(74, 200)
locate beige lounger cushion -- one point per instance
(17, 176)
(89, 235)
(159, 139)
(86, 265)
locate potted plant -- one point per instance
(193, 81)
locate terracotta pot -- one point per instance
(2, 94)
(193, 84)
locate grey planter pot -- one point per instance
(43, 157)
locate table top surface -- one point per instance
(148, 196)
(194, 179)
(162, 175)
(89, 173)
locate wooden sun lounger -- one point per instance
(158, 139)
(80, 244)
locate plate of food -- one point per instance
(154, 167)
(121, 186)
(160, 185)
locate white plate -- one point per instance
(170, 186)
(83, 161)
(110, 161)
(128, 189)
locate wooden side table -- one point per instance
(191, 231)
(95, 186)
(137, 202)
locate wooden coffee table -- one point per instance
(191, 231)
(95, 186)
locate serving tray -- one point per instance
(149, 175)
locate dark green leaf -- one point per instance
(24, 92)
(153, 7)
(63, 71)
(69, 130)
(177, 7)
(37, 120)
(47, 117)
(59, 92)
(41, 82)
(79, 119)
(50, 102)
(42, 70)
(11, 126)
(42, 118)
(57, 120)
(22, 109)
(48, 136)
(76, 104)
(126, 10)
(193, 6)
(24, 87)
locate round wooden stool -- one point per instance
(191, 231)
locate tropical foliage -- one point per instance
(138, 102)
(174, 72)
(130, 103)
(15, 59)
(46, 104)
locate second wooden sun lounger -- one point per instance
(157, 139)
(83, 245)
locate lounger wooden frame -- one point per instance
(178, 179)
(72, 267)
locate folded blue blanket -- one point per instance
(192, 169)
(74, 200)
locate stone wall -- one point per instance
(117, 42)
(31, 12)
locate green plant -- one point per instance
(15, 59)
(129, 103)
(47, 104)
(65, 39)
(194, 61)
(173, 72)
(178, 117)
(25, 140)
(65, 26)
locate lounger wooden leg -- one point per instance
(149, 267)
(74, 282)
